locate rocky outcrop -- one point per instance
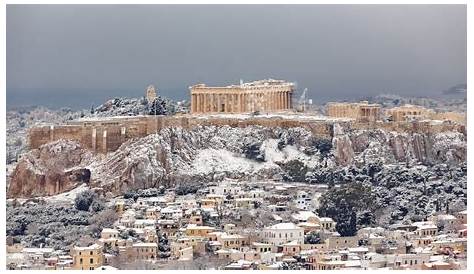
(206, 153)
(390, 147)
(177, 155)
(53, 168)
(343, 149)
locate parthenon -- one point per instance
(263, 95)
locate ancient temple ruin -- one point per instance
(263, 96)
(409, 113)
(362, 111)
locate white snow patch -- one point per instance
(67, 196)
(288, 153)
(220, 160)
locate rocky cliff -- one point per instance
(210, 153)
(54, 168)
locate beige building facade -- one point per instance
(452, 116)
(407, 113)
(87, 258)
(362, 111)
(263, 95)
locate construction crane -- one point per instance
(302, 100)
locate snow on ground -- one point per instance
(283, 115)
(67, 196)
(221, 160)
(108, 118)
(10, 168)
(240, 116)
(288, 153)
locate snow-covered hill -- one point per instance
(209, 153)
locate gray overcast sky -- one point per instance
(333, 50)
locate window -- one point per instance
(80, 261)
(92, 252)
(91, 260)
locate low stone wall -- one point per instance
(413, 127)
(109, 133)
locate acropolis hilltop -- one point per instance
(265, 102)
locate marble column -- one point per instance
(274, 102)
(244, 103)
(213, 103)
(94, 139)
(198, 102)
(280, 101)
(202, 103)
(234, 103)
(104, 141)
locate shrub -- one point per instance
(84, 200)
(252, 151)
(312, 238)
(184, 189)
(294, 171)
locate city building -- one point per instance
(87, 258)
(282, 233)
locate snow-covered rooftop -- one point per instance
(284, 226)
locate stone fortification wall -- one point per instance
(413, 127)
(107, 135)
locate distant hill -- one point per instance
(460, 89)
